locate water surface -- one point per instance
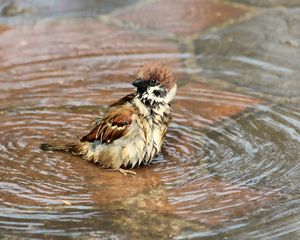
(229, 167)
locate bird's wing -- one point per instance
(119, 103)
(123, 100)
(113, 125)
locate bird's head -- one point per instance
(155, 84)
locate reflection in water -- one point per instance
(221, 172)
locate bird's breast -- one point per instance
(153, 129)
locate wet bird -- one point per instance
(131, 131)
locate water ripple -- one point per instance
(229, 165)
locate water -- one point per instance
(229, 167)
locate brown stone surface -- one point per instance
(261, 54)
(4, 28)
(180, 17)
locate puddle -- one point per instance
(229, 167)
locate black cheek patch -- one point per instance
(159, 93)
(156, 93)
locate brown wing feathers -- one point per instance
(123, 100)
(113, 126)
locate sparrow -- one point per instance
(131, 131)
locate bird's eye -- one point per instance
(153, 82)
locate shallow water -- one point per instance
(229, 166)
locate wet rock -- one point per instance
(12, 9)
(261, 54)
(270, 3)
(180, 17)
(4, 28)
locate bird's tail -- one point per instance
(73, 148)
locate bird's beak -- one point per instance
(140, 84)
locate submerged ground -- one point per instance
(230, 166)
